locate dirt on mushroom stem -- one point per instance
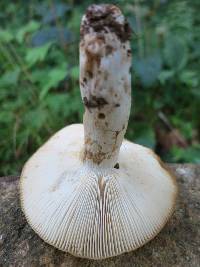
(105, 82)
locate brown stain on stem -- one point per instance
(91, 61)
(94, 102)
(96, 157)
(103, 19)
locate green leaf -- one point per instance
(148, 69)
(190, 78)
(190, 154)
(59, 35)
(39, 75)
(35, 118)
(58, 11)
(55, 76)
(76, 105)
(6, 36)
(6, 117)
(32, 26)
(10, 78)
(165, 75)
(196, 92)
(65, 104)
(57, 103)
(146, 138)
(37, 54)
(175, 52)
(74, 72)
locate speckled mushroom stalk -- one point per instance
(105, 82)
(87, 191)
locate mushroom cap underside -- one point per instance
(94, 212)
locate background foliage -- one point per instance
(39, 87)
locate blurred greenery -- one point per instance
(39, 81)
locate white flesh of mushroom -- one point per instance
(87, 191)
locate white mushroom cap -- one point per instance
(86, 191)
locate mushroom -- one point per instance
(87, 191)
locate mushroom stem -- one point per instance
(105, 82)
